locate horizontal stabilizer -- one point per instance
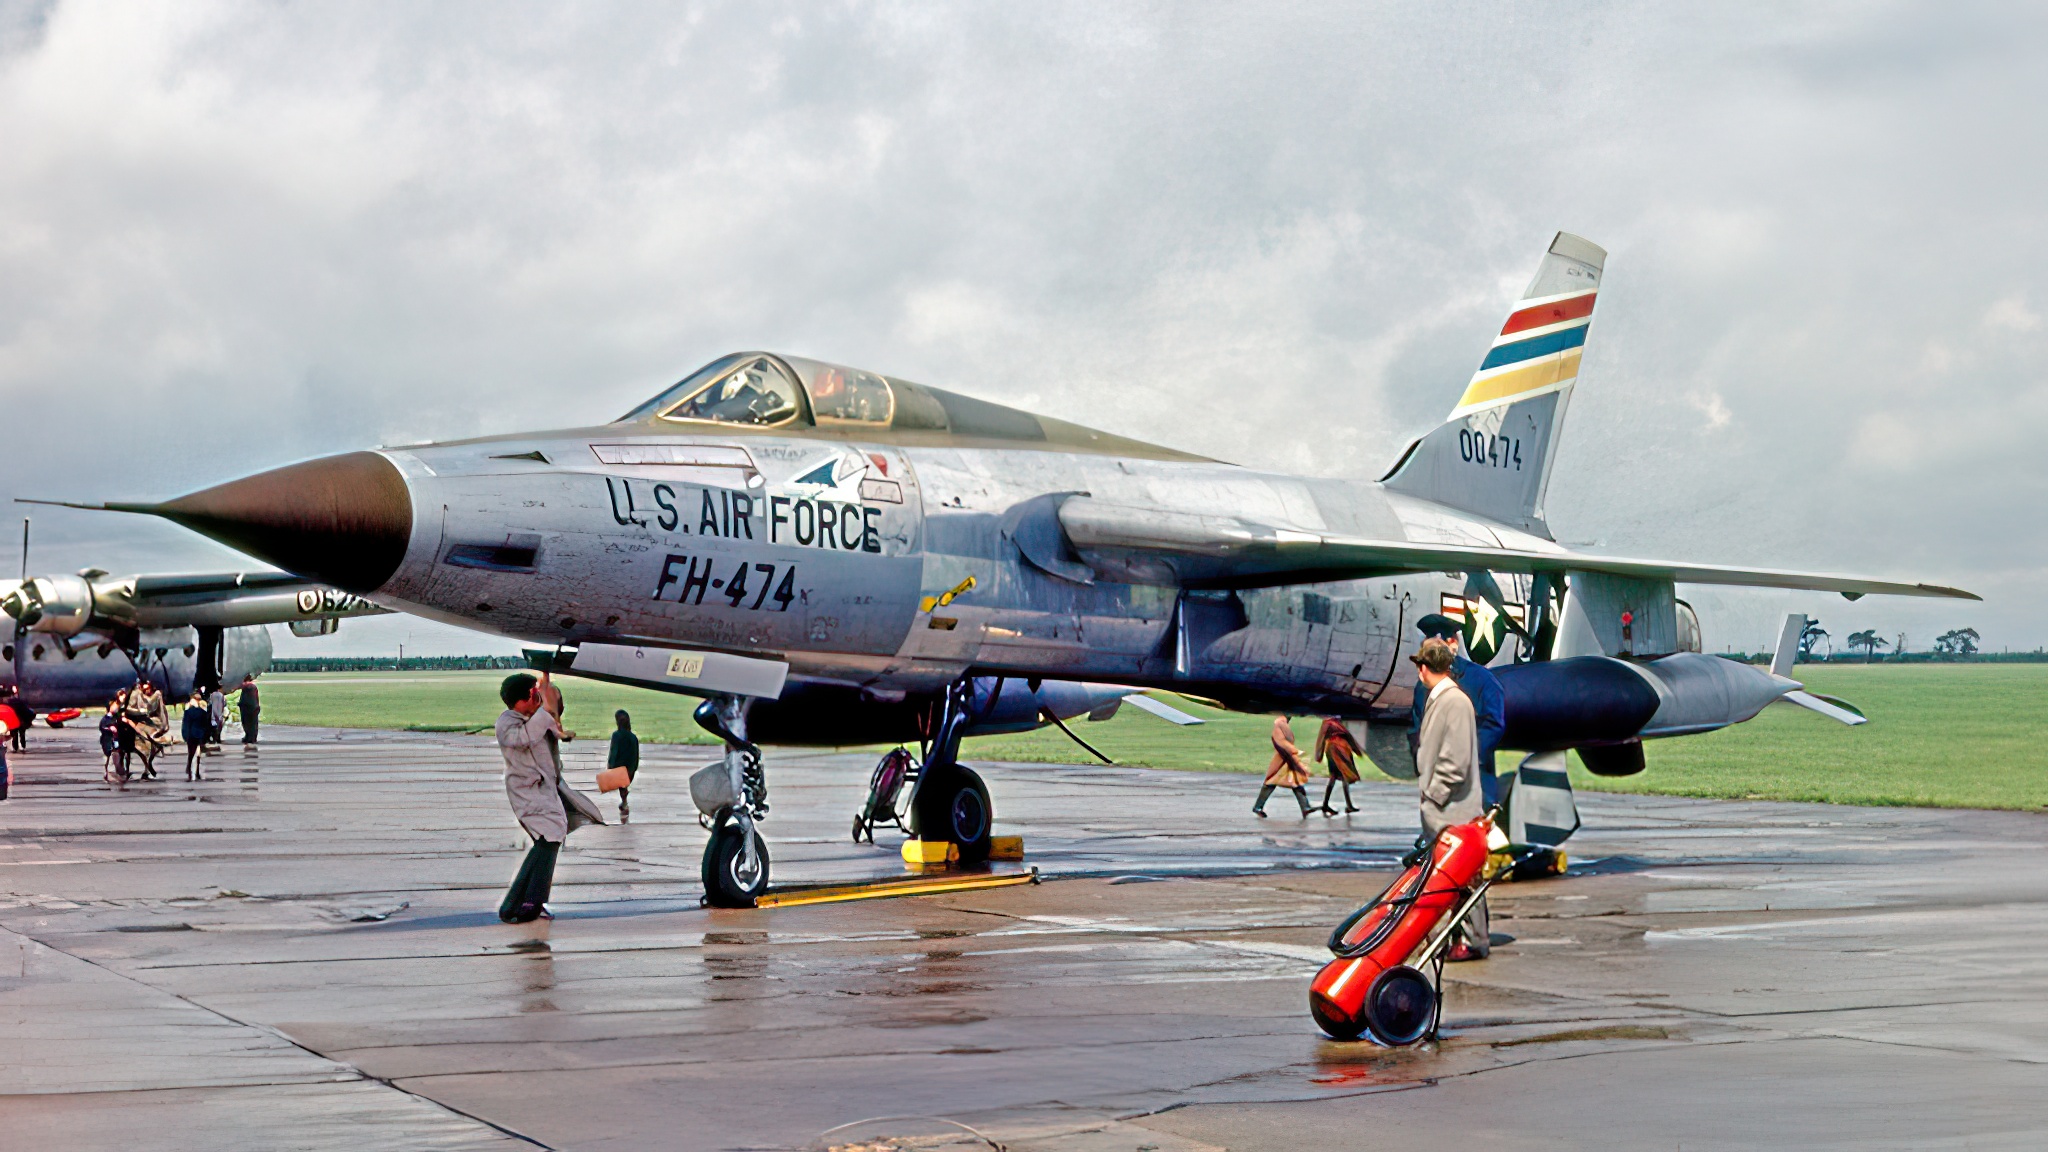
(1828, 706)
(1166, 712)
(1191, 549)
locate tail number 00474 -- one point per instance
(753, 587)
(1490, 451)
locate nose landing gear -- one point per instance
(733, 798)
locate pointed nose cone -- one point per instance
(342, 520)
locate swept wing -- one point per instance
(1200, 550)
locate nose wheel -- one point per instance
(735, 869)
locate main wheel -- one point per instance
(955, 806)
(729, 880)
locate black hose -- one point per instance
(1389, 899)
(1396, 903)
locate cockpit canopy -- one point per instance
(763, 391)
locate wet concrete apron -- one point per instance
(301, 952)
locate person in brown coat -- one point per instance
(1287, 769)
(1338, 751)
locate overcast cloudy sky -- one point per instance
(233, 236)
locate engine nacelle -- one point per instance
(1005, 704)
(1601, 701)
(1557, 704)
(52, 605)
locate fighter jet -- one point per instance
(74, 641)
(834, 556)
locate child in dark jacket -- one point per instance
(196, 725)
(110, 742)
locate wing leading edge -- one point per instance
(1197, 550)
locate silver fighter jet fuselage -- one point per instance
(881, 544)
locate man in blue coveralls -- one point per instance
(1478, 683)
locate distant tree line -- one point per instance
(395, 664)
(1957, 644)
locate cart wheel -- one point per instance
(729, 882)
(1400, 1006)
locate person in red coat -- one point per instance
(1338, 751)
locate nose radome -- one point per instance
(342, 520)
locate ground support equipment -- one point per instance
(1377, 983)
(887, 889)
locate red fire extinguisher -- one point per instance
(1372, 985)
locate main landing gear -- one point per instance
(950, 802)
(733, 796)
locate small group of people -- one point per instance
(17, 737)
(1455, 730)
(1336, 748)
(137, 724)
(530, 736)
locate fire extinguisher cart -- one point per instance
(1387, 978)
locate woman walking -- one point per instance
(624, 753)
(195, 725)
(1339, 752)
(144, 718)
(216, 715)
(1286, 769)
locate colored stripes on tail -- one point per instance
(1537, 351)
(1492, 456)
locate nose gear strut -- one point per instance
(735, 868)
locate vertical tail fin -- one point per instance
(1492, 456)
(1787, 653)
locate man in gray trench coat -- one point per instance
(527, 732)
(1447, 772)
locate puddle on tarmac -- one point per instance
(903, 1134)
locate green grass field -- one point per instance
(1943, 735)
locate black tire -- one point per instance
(955, 806)
(1400, 1006)
(725, 885)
